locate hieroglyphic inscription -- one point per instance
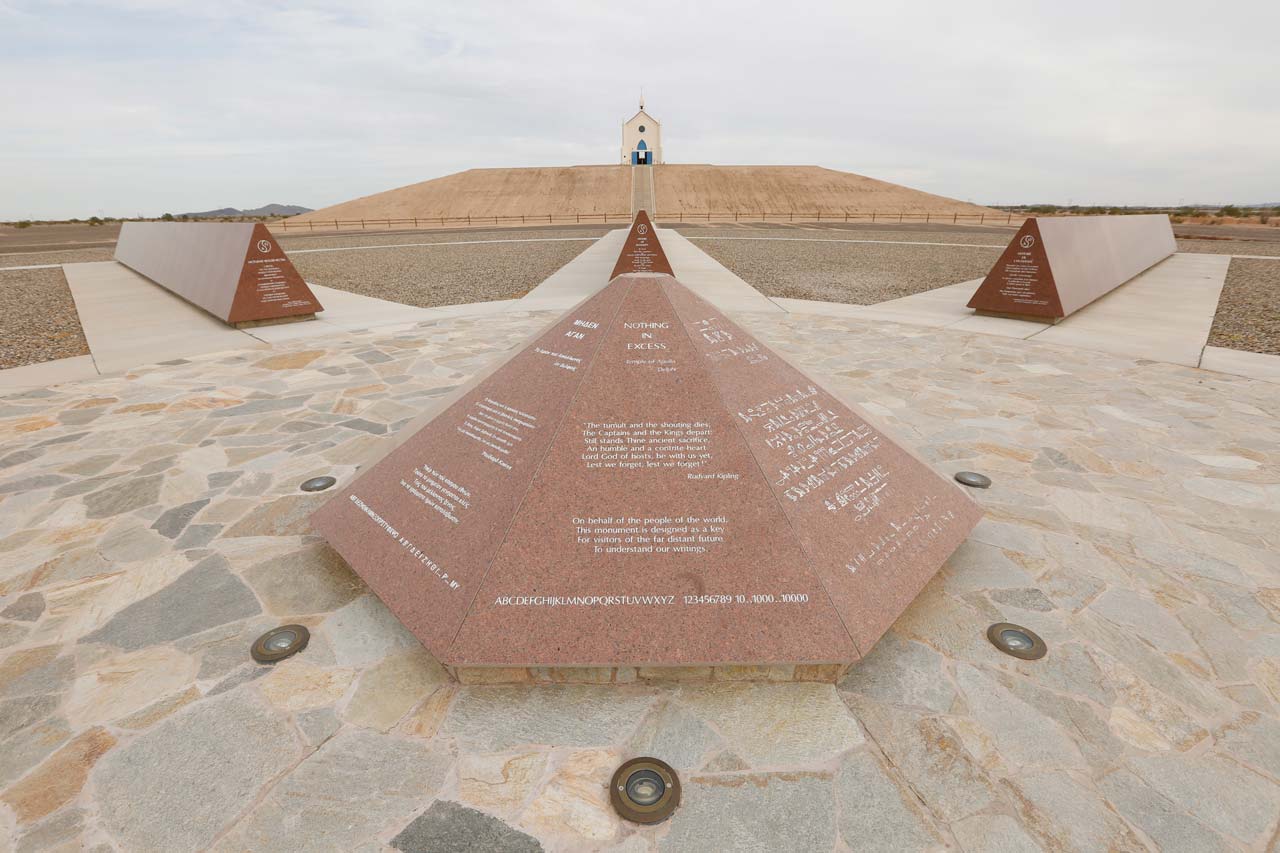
(724, 342)
(904, 539)
(820, 442)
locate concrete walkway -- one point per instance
(128, 320)
(708, 278)
(578, 279)
(1165, 314)
(642, 190)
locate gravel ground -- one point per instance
(443, 275)
(1248, 315)
(856, 273)
(62, 256)
(38, 320)
(1229, 247)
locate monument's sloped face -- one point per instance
(649, 535)
(647, 484)
(422, 526)
(641, 252)
(875, 521)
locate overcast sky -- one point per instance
(143, 107)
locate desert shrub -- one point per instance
(168, 217)
(1229, 210)
(93, 220)
(26, 223)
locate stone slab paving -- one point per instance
(151, 527)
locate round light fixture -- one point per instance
(318, 484)
(645, 790)
(973, 479)
(1017, 641)
(280, 643)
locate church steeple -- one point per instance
(642, 138)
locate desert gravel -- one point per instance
(855, 273)
(1270, 248)
(38, 320)
(1248, 315)
(61, 256)
(439, 275)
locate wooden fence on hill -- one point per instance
(419, 222)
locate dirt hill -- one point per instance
(785, 189)
(688, 189)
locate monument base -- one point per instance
(1048, 321)
(274, 321)
(826, 673)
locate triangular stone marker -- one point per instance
(641, 252)
(1056, 265)
(269, 287)
(1021, 282)
(646, 484)
(234, 270)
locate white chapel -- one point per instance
(641, 139)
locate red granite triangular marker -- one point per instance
(641, 252)
(269, 287)
(1021, 281)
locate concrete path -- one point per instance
(1255, 365)
(708, 278)
(642, 190)
(581, 277)
(1164, 314)
(47, 373)
(129, 320)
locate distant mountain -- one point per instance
(265, 210)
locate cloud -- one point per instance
(146, 106)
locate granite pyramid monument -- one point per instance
(646, 484)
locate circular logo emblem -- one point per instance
(264, 245)
(1027, 242)
(642, 228)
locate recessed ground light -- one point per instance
(973, 479)
(279, 643)
(1017, 641)
(645, 790)
(318, 484)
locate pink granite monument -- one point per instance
(234, 270)
(647, 485)
(1056, 265)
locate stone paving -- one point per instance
(151, 527)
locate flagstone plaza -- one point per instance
(152, 526)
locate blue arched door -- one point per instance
(642, 156)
